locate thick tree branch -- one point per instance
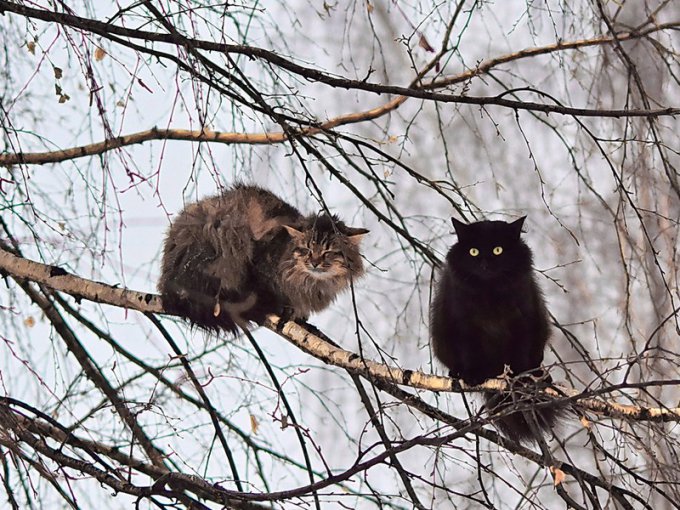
(60, 280)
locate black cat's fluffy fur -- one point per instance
(488, 313)
(236, 257)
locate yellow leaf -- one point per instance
(369, 7)
(585, 422)
(29, 321)
(254, 425)
(99, 54)
(58, 72)
(30, 46)
(63, 98)
(558, 476)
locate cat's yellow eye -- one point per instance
(498, 250)
(474, 252)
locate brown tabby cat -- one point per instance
(236, 257)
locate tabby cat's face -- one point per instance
(327, 249)
(321, 260)
(489, 250)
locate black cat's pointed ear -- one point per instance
(458, 226)
(293, 232)
(517, 225)
(355, 234)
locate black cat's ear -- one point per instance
(293, 233)
(458, 226)
(517, 226)
(355, 234)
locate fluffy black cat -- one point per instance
(488, 313)
(236, 257)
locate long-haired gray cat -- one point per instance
(238, 256)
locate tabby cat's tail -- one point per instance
(200, 308)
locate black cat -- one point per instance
(488, 313)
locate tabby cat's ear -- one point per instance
(293, 233)
(355, 234)
(458, 226)
(517, 226)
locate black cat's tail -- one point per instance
(522, 415)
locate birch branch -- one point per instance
(302, 337)
(205, 135)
